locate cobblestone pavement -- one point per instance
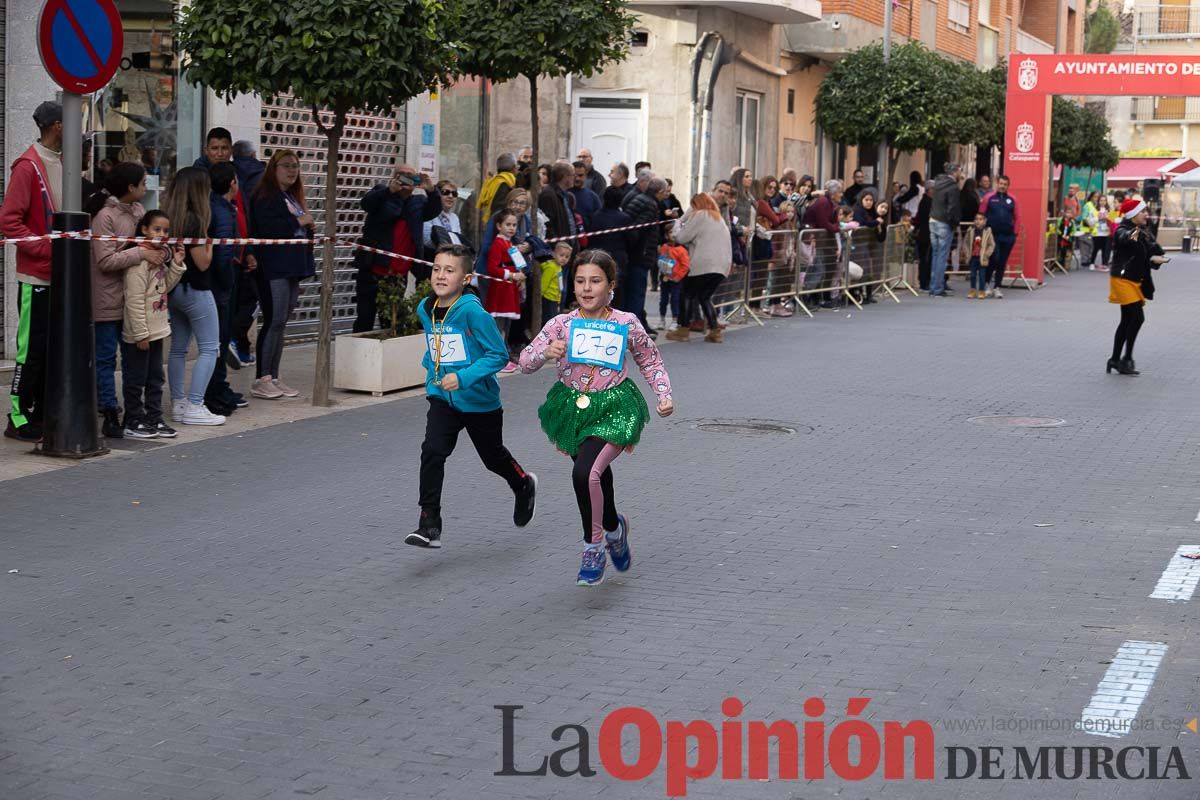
(237, 618)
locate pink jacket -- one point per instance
(584, 377)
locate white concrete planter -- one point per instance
(365, 363)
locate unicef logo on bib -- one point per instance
(597, 342)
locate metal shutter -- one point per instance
(372, 146)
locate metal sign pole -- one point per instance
(72, 152)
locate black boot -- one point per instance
(1126, 367)
(112, 427)
(428, 532)
(1113, 363)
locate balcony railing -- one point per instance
(1166, 22)
(1166, 109)
(1028, 43)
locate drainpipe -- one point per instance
(694, 141)
(723, 54)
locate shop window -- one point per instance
(147, 113)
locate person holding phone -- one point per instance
(396, 213)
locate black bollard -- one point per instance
(71, 428)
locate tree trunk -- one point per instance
(533, 286)
(333, 137)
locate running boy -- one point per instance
(593, 413)
(465, 350)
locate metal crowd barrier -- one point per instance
(814, 266)
(1050, 255)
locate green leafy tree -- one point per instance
(332, 55)
(507, 39)
(1101, 31)
(983, 101)
(913, 103)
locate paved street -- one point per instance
(237, 618)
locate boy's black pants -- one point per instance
(442, 426)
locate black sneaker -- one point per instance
(219, 407)
(237, 400)
(139, 429)
(26, 433)
(231, 357)
(112, 427)
(427, 534)
(526, 504)
(164, 430)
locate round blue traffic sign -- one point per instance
(80, 42)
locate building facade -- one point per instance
(1167, 124)
(150, 115)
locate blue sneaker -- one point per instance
(619, 551)
(245, 356)
(591, 572)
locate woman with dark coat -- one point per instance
(279, 211)
(616, 244)
(866, 241)
(1135, 254)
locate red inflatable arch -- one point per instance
(1032, 80)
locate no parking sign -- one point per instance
(80, 42)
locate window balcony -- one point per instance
(1166, 22)
(1173, 110)
(777, 12)
(1028, 43)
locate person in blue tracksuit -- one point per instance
(464, 352)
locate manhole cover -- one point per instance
(1019, 422)
(751, 428)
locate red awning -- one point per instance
(1132, 170)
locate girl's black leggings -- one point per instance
(593, 480)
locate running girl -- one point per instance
(593, 413)
(464, 353)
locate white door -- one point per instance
(612, 127)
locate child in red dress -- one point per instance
(504, 289)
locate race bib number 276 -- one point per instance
(598, 342)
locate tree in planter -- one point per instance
(390, 299)
(371, 55)
(573, 37)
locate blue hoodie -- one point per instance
(470, 326)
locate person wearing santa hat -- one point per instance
(1135, 254)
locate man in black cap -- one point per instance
(32, 195)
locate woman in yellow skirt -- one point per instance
(1135, 254)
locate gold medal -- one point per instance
(583, 401)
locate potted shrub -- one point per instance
(390, 358)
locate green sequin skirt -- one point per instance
(615, 415)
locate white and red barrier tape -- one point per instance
(89, 236)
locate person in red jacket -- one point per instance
(32, 196)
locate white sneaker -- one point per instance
(988, 293)
(999, 295)
(178, 409)
(662, 323)
(199, 415)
